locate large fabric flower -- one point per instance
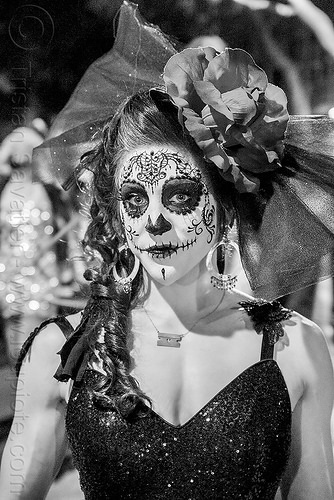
(235, 116)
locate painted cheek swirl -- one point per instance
(131, 232)
(206, 220)
(208, 214)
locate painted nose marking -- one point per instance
(160, 226)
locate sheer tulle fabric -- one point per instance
(291, 244)
(285, 232)
(134, 63)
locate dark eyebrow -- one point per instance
(129, 186)
(182, 182)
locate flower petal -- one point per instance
(234, 68)
(244, 182)
(268, 130)
(211, 96)
(242, 105)
(182, 70)
(231, 111)
(205, 140)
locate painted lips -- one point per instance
(165, 251)
(161, 252)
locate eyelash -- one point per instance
(171, 203)
(136, 195)
(181, 193)
(181, 207)
(129, 197)
(131, 208)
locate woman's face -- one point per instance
(168, 214)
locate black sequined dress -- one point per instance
(235, 447)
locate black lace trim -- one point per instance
(267, 318)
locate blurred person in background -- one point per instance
(32, 260)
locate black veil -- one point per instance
(286, 237)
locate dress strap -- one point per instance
(267, 349)
(61, 321)
(267, 319)
(64, 325)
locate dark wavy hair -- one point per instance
(144, 119)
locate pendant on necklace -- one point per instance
(169, 340)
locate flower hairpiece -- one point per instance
(227, 105)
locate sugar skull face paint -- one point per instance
(168, 214)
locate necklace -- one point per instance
(175, 339)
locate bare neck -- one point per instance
(186, 300)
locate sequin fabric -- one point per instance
(235, 447)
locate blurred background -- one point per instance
(46, 46)
(53, 42)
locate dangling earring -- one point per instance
(125, 282)
(228, 280)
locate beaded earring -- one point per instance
(125, 282)
(228, 280)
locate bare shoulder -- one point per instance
(42, 356)
(306, 364)
(305, 347)
(41, 361)
(305, 336)
(49, 340)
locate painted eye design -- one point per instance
(134, 198)
(181, 195)
(179, 198)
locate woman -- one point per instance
(175, 393)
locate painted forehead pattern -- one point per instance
(151, 167)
